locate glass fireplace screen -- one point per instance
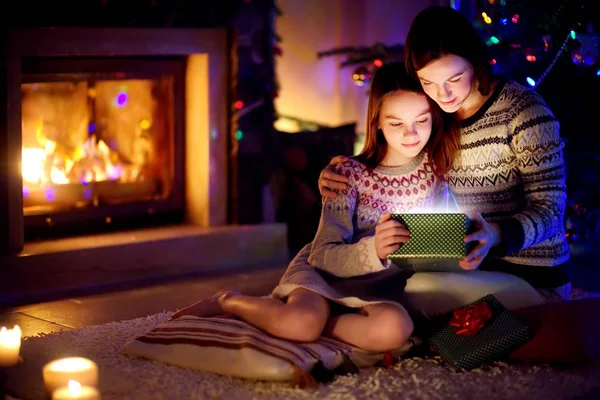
(91, 140)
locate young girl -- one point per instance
(350, 291)
(510, 173)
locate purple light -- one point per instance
(26, 191)
(49, 194)
(87, 193)
(121, 99)
(92, 128)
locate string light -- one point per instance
(532, 82)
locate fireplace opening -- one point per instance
(102, 143)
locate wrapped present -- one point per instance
(480, 332)
(436, 242)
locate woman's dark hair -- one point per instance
(438, 31)
(443, 143)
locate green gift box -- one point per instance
(436, 241)
(490, 338)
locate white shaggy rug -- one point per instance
(125, 378)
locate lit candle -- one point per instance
(76, 391)
(58, 373)
(10, 345)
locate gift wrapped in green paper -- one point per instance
(437, 242)
(478, 333)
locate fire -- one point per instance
(93, 161)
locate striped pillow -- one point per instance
(234, 348)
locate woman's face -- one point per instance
(405, 119)
(449, 81)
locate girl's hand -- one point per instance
(488, 235)
(329, 180)
(389, 236)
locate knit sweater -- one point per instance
(511, 170)
(344, 244)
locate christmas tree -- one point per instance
(526, 38)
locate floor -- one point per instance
(123, 305)
(78, 312)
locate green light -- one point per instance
(573, 35)
(239, 135)
(492, 41)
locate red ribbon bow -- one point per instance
(468, 321)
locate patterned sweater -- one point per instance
(344, 244)
(511, 170)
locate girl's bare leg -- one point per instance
(380, 327)
(301, 318)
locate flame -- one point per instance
(94, 161)
(74, 387)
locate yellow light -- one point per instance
(145, 124)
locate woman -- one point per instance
(509, 176)
(350, 291)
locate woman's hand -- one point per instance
(389, 236)
(488, 235)
(329, 181)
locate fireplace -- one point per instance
(114, 127)
(102, 141)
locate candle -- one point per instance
(58, 373)
(76, 391)
(10, 345)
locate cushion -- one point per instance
(430, 294)
(566, 332)
(235, 348)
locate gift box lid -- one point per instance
(434, 236)
(500, 335)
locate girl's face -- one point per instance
(405, 119)
(449, 81)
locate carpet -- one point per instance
(126, 378)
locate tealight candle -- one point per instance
(76, 391)
(58, 373)
(10, 345)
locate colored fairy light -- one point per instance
(598, 73)
(515, 18)
(492, 41)
(573, 35)
(87, 194)
(531, 58)
(26, 191)
(121, 99)
(530, 81)
(214, 134)
(493, 61)
(49, 194)
(239, 135)
(486, 18)
(504, 21)
(378, 63)
(92, 128)
(239, 105)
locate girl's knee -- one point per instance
(390, 328)
(299, 324)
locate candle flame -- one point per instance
(10, 336)
(74, 387)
